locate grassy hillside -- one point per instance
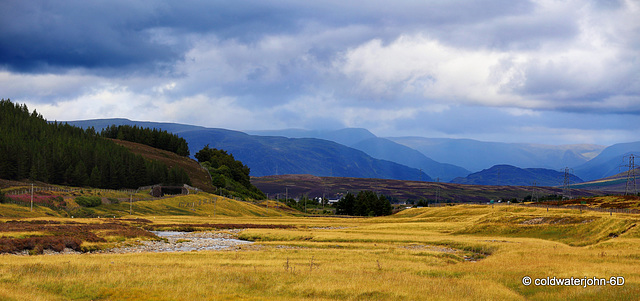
(199, 177)
(615, 183)
(117, 204)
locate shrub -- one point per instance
(113, 200)
(83, 212)
(89, 201)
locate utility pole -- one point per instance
(437, 188)
(533, 191)
(631, 187)
(566, 183)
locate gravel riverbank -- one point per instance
(185, 242)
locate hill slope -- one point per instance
(514, 176)
(616, 183)
(199, 177)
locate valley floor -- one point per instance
(449, 253)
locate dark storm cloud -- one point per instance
(48, 36)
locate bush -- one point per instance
(113, 200)
(89, 201)
(83, 212)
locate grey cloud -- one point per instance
(50, 36)
(42, 36)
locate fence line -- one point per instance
(193, 204)
(610, 210)
(59, 189)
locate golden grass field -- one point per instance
(467, 252)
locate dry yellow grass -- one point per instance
(447, 253)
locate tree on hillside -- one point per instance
(228, 174)
(153, 137)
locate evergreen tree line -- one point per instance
(152, 137)
(366, 203)
(228, 174)
(58, 153)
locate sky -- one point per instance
(548, 71)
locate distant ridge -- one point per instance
(514, 176)
(379, 148)
(609, 162)
(478, 155)
(99, 124)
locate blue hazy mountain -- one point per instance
(609, 162)
(386, 149)
(379, 148)
(478, 155)
(509, 175)
(347, 136)
(272, 155)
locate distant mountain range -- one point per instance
(272, 155)
(379, 148)
(478, 155)
(500, 175)
(355, 152)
